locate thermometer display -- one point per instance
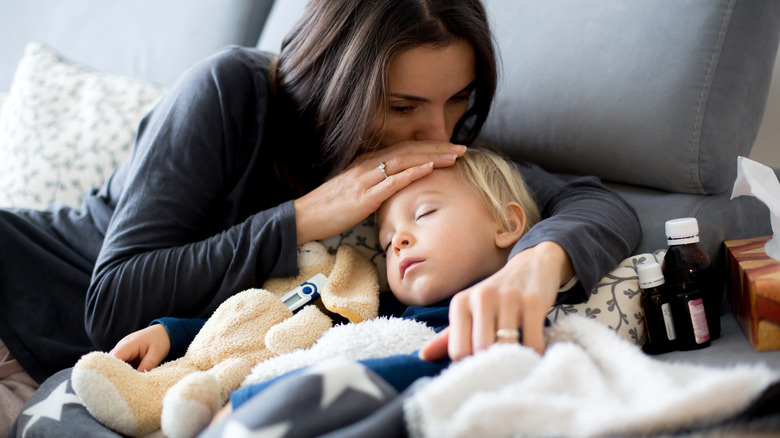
(305, 293)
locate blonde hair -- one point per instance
(497, 182)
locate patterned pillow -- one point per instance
(614, 302)
(365, 237)
(64, 128)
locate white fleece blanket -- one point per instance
(380, 337)
(590, 382)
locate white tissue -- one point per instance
(755, 179)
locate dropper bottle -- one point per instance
(656, 304)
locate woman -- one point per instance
(248, 156)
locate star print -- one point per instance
(339, 375)
(235, 429)
(51, 406)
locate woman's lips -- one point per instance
(408, 263)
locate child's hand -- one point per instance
(144, 349)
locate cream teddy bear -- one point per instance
(248, 328)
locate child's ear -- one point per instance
(506, 237)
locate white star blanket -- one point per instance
(589, 382)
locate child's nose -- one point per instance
(401, 242)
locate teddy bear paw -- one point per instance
(189, 405)
(111, 390)
(299, 331)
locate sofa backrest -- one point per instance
(281, 18)
(146, 39)
(663, 94)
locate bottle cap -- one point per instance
(682, 231)
(650, 275)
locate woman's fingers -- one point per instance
(386, 188)
(399, 160)
(460, 327)
(509, 320)
(516, 298)
(480, 317)
(476, 316)
(436, 348)
(534, 319)
(484, 304)
(356, 193)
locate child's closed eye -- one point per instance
(385, 241)
(424, 213)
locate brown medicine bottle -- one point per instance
(682, 235)
(656, 310)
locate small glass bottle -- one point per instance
(656, 310)
(682, 235)
(688, 307)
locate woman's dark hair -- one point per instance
(333, 65)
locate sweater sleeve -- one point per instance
(176, 244)
(595, 226)
(181, 332)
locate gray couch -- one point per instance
(656, 98)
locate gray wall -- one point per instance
(766, 150)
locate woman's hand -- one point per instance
(348, 198)
(144, 349)
(517, 296)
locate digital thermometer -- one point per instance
(305, 293)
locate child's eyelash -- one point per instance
(425, 213)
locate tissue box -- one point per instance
(754, 283)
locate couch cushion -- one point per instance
(720, 217)
(663, 94)
(64, 128)
(147, 39)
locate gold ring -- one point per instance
(382, 167)
(508, 335)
